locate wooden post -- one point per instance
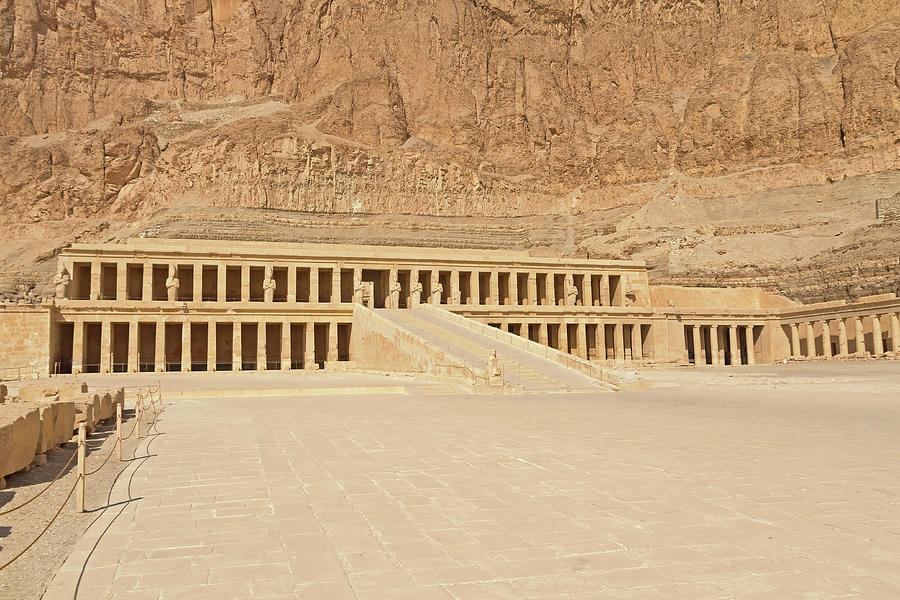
(138, 413)
(119, 427)
(82, 452)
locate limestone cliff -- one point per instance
(112, 111)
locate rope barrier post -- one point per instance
(119, 428)
(139, 413)
(82, 455)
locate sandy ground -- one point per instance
(28, 577)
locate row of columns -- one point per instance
(616, 343)
(237, 359)
(843, 344)
(717, 354)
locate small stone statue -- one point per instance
(493, 366)
(359, 289)
(571, 291)
(394, 289)
(269, 285)
(455, 294)
(172, 283)
(61, 281)
(416, 293)
(437, 289)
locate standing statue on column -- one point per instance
(455, 294)
(395, 289)
(61, 281)
(172, 283)
(416, 293)
(269, 285)
(359, 288)
(571, 291)
(437, 289)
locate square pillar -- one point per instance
(220, 284)
(895, 334)
(587, 291)
(604, 291)
(714, 344)
(531, 297)
(826, 339)
(810, 340)
(454, 286)
(876, 335)
(309, 352)
(699, 355)
(198, 282)
(332, 342)
(147, 282)
(860, 337)
(601, 341)
(581, 340)
(133, 346)
(95, 279)
(186, 345)
(475, 281)
(106, 353)
(261, 355)
(795, 340)
(551, 288)
(843, 346)
(563, 337)
(236, 355)
(245, 283)
(751, 353)
(336, 284)
(211, 346)
(286, 346)
(77, 347)
(514, 288)
(734, 346)
(313, 284)
(542, 334)
(159, 358)
(495, 288)
(637, 350)
(121, 280)
(292, 284)
(619, 342)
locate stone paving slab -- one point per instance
(706, 492)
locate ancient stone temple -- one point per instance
(194, 305)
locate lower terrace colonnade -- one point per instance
(717, 345)
(859, 335)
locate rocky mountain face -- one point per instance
(111, 111)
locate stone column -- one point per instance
(186, 345)
(160, 346)
(637, 348)
(147, 282)
(699, 355)
(211, 346)
(581, 339)
(261, 340)
(454, 284)
(551, 289)
(895, 334)
(336, 284)
(751, 352)
(843, 346)
(95, 279)
(221, 288)
(313, 284)
(414, 299)
(495, 288)
(133, 346)
(810, 340)
(605, 300)
(292, 284)
(309, 352)
(714, 344)
(564, 337)
(245, 283)
(236, 350)
(795, 340)
(514, 288)
(77, 347)
(475, 281)
(587, 291)
(734, 345)
(286, 346)
(332, 342)
(542, 334)
(531, 298)
(826, 339)
(198, 283)
(601, 341)
(619, 342)
(106, 353)
(860, 337)
(121, 280)
(876, 336)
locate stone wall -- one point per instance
(25, 337)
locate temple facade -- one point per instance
(197, 305)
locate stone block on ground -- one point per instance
(107, 407)
(87, 409)
(2, 393)
(48, 435)
(20, 428)
(46, 389)
(65, 421)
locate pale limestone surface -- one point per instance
(717, 489)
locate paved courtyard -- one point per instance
(752, 486)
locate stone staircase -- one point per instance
(521, 369)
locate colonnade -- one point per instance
(730, 344)
(845, 336)
(588, 339)
(206, 344)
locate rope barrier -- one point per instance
(106, 460)
(47, 487)
(40, 535)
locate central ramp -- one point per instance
(472, 343)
